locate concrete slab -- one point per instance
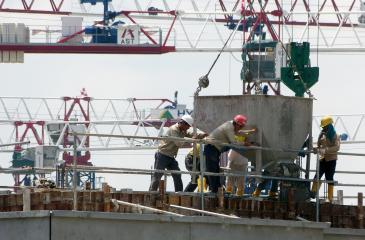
(37, 225)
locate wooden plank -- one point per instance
(26, 200)
(360, 210)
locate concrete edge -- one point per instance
(191, 219)
(344, 231)
(28, 214)
(256, 96)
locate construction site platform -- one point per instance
(339, 216)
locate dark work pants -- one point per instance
(163, 162)
(328, 168)
(212, 155)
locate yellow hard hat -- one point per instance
(327, 120)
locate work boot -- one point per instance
(204, 185)
(256, 193)
(314, 189)
(330, 193)
(314, 186)
(239, 192)
(229, 187)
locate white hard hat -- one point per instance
(188, 119)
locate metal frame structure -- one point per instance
(331, 21)
(20, 114)
(35, 127)
(82, 157)
(113, 116)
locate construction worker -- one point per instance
(225, 133)
(189, 161)
(237, 163)
(328, 145)
(273, 192)
(167, 151)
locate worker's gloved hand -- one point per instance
(315, 150)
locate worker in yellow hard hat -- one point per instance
(328, 146)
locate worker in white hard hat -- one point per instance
(167, 151)
(225, 133)
(328, 145)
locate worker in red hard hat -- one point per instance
(225, 133)
(167, 151)
(240, 121)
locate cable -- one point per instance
(318, 33)
(204, 80)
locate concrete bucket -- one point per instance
(282, 122)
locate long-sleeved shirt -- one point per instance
(224, 133)
(170, 147)
(331, 148)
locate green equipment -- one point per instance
(299, 76)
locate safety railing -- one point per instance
(257, 175)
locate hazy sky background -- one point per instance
(340, 90)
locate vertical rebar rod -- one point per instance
(317, 188)
(74, 176)
(202, 169)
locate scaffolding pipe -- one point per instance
(203, 212)
(116, 202)
(13, 144)
(74, 176)
(204, 141)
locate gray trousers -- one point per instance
(163, 162)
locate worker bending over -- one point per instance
(167, 152)
(237, 163)
(189, 164)
(328, 145)
(225, 133)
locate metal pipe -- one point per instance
(205, 141)
(74, 176)
(169, 172)
(317, 189)
(202, 170)
(203, 212)
(15, 143)
(115, 201)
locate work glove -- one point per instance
(315, 150)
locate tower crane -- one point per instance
(179, 35)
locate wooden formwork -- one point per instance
(341, 216)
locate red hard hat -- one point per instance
(240, 119)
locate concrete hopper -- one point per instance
(282, 122)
